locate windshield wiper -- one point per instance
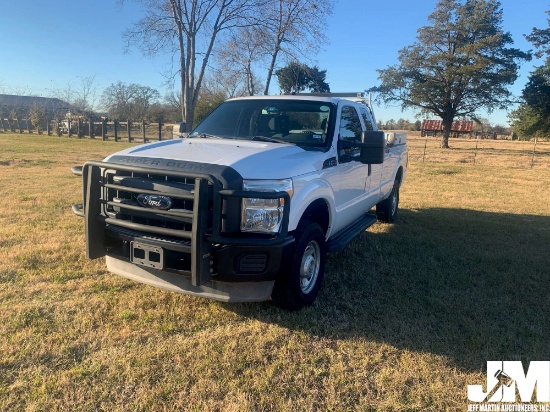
(270, 139)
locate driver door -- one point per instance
(349, 182)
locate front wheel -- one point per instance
(386, 210)
(300, 284)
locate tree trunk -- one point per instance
(270, 70)
(182, 75)
(250, 79)
(447, 124)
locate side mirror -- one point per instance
(373, 147)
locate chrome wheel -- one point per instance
(298, 284)
(309, 268)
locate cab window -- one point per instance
(366, 119)
(350, 130)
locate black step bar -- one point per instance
(346, 236)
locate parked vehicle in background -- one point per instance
(248, 205)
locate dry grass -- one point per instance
(481, 152)
(407, 318)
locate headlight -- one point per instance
(264, 215)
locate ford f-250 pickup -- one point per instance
(246, 206)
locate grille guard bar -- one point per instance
(93, 209)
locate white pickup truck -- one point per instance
(247, 206)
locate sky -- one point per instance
(52, 45)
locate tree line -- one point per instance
(462, 61)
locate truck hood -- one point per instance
(251, 159)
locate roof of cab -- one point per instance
(321, 97)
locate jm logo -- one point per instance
(504, 378)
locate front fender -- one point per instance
(305, 193)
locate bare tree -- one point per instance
(128, 101)
(292, 27)
(237, 56)
(81, 96)
(183, 26)
(85, 95)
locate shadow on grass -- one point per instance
(471, 286)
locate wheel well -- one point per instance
(318, 212)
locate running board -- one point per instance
(347, 235)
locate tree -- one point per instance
(80, 96)
(207, 102)
(128, 101)
(236, 60)
(459, 64)
(533, 116)
(297, 77)
(183, 26)
(541, 40)
(37, 115)
(528, 123)
(293, 26)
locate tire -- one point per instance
(386, 210)
(299, 284)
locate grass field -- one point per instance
(407, 318)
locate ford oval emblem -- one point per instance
(155, 201)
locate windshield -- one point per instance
(300, 122)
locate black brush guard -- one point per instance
(207, 219)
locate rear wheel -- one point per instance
(386, 210)
(299, 285)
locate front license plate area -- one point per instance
(147, 255)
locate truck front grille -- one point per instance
(154, 201)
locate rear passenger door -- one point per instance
(375, 178)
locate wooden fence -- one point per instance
(106, 130)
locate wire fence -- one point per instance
(534, 154)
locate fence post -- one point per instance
(69, 125)
(28, 125)
(475, 151)
(160, 130)
(534, 150)
(103, 129)
(116, 129)
(129, 126)
(91, 128)
(4, 125)
(143, 131)
(19, 125)
(48, 129)
(425, 144)
(79, 128)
